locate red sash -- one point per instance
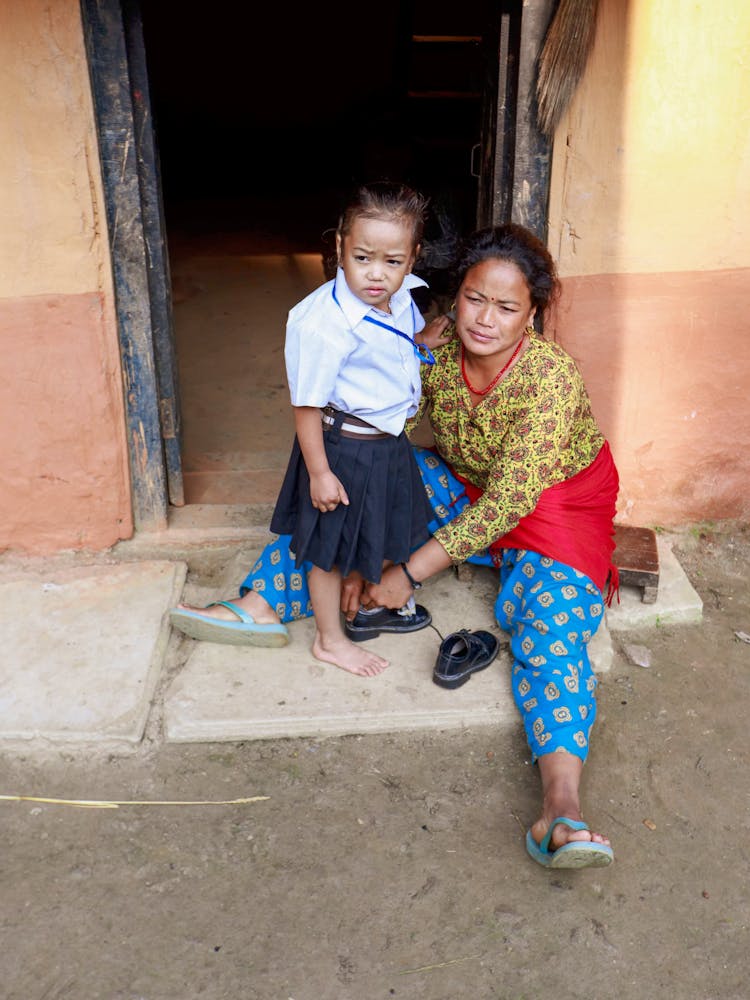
(572, 522)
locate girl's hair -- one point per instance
(385, 200)
(517, 245)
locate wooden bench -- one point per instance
(637, 558)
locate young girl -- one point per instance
(352, 498)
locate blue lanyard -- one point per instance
(422, 351)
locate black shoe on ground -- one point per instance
(369, 625)
(463, 654)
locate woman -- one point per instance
(520, 478)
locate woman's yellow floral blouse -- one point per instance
(534, 429)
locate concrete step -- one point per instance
(88, 657)
(231, 693)
(83, 650)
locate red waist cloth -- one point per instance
(572, 522)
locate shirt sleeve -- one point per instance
(419, 320)
(416, 418)
(313, 359)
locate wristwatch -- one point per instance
(415, 583)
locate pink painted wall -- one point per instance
(64, 481)
(665, 360)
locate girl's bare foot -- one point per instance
(344, 653)
(255, 605)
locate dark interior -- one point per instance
(266, 115)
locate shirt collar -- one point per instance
(355, 309)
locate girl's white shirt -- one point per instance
(333, 355)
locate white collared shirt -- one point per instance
(333, 355)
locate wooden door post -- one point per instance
(108, 66)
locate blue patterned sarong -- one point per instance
(276, 578)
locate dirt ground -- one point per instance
(394, 867)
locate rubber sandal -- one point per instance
(244, 632)
(577, 854)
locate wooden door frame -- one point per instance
(140, 265)
(516, 156)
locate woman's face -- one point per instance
(493, 308)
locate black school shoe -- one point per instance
(369, 625)
(463, 654)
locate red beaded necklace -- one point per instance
(496, 379)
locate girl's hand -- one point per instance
(433, 334)
(326, 492)
(393, 591)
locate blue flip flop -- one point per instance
(576, 854)
(244, 632)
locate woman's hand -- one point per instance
(352, 589)
(433, 334)
(326, 492)
(393, 591)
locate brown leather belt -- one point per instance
(350, 426)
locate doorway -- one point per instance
(260, 122)
(263, 121)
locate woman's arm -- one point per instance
(394, 589)
(326, 491)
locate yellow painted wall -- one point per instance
(51, 203)
(651, 168)
(649, 222)
(65, 481)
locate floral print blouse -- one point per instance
(533, 430)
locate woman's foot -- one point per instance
(562, 834)
(246, 621)
(252, 604)
(342, 652)
(561, 777)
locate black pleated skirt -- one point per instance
(388, 511)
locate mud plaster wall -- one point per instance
(648, 219)
(63, 455)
